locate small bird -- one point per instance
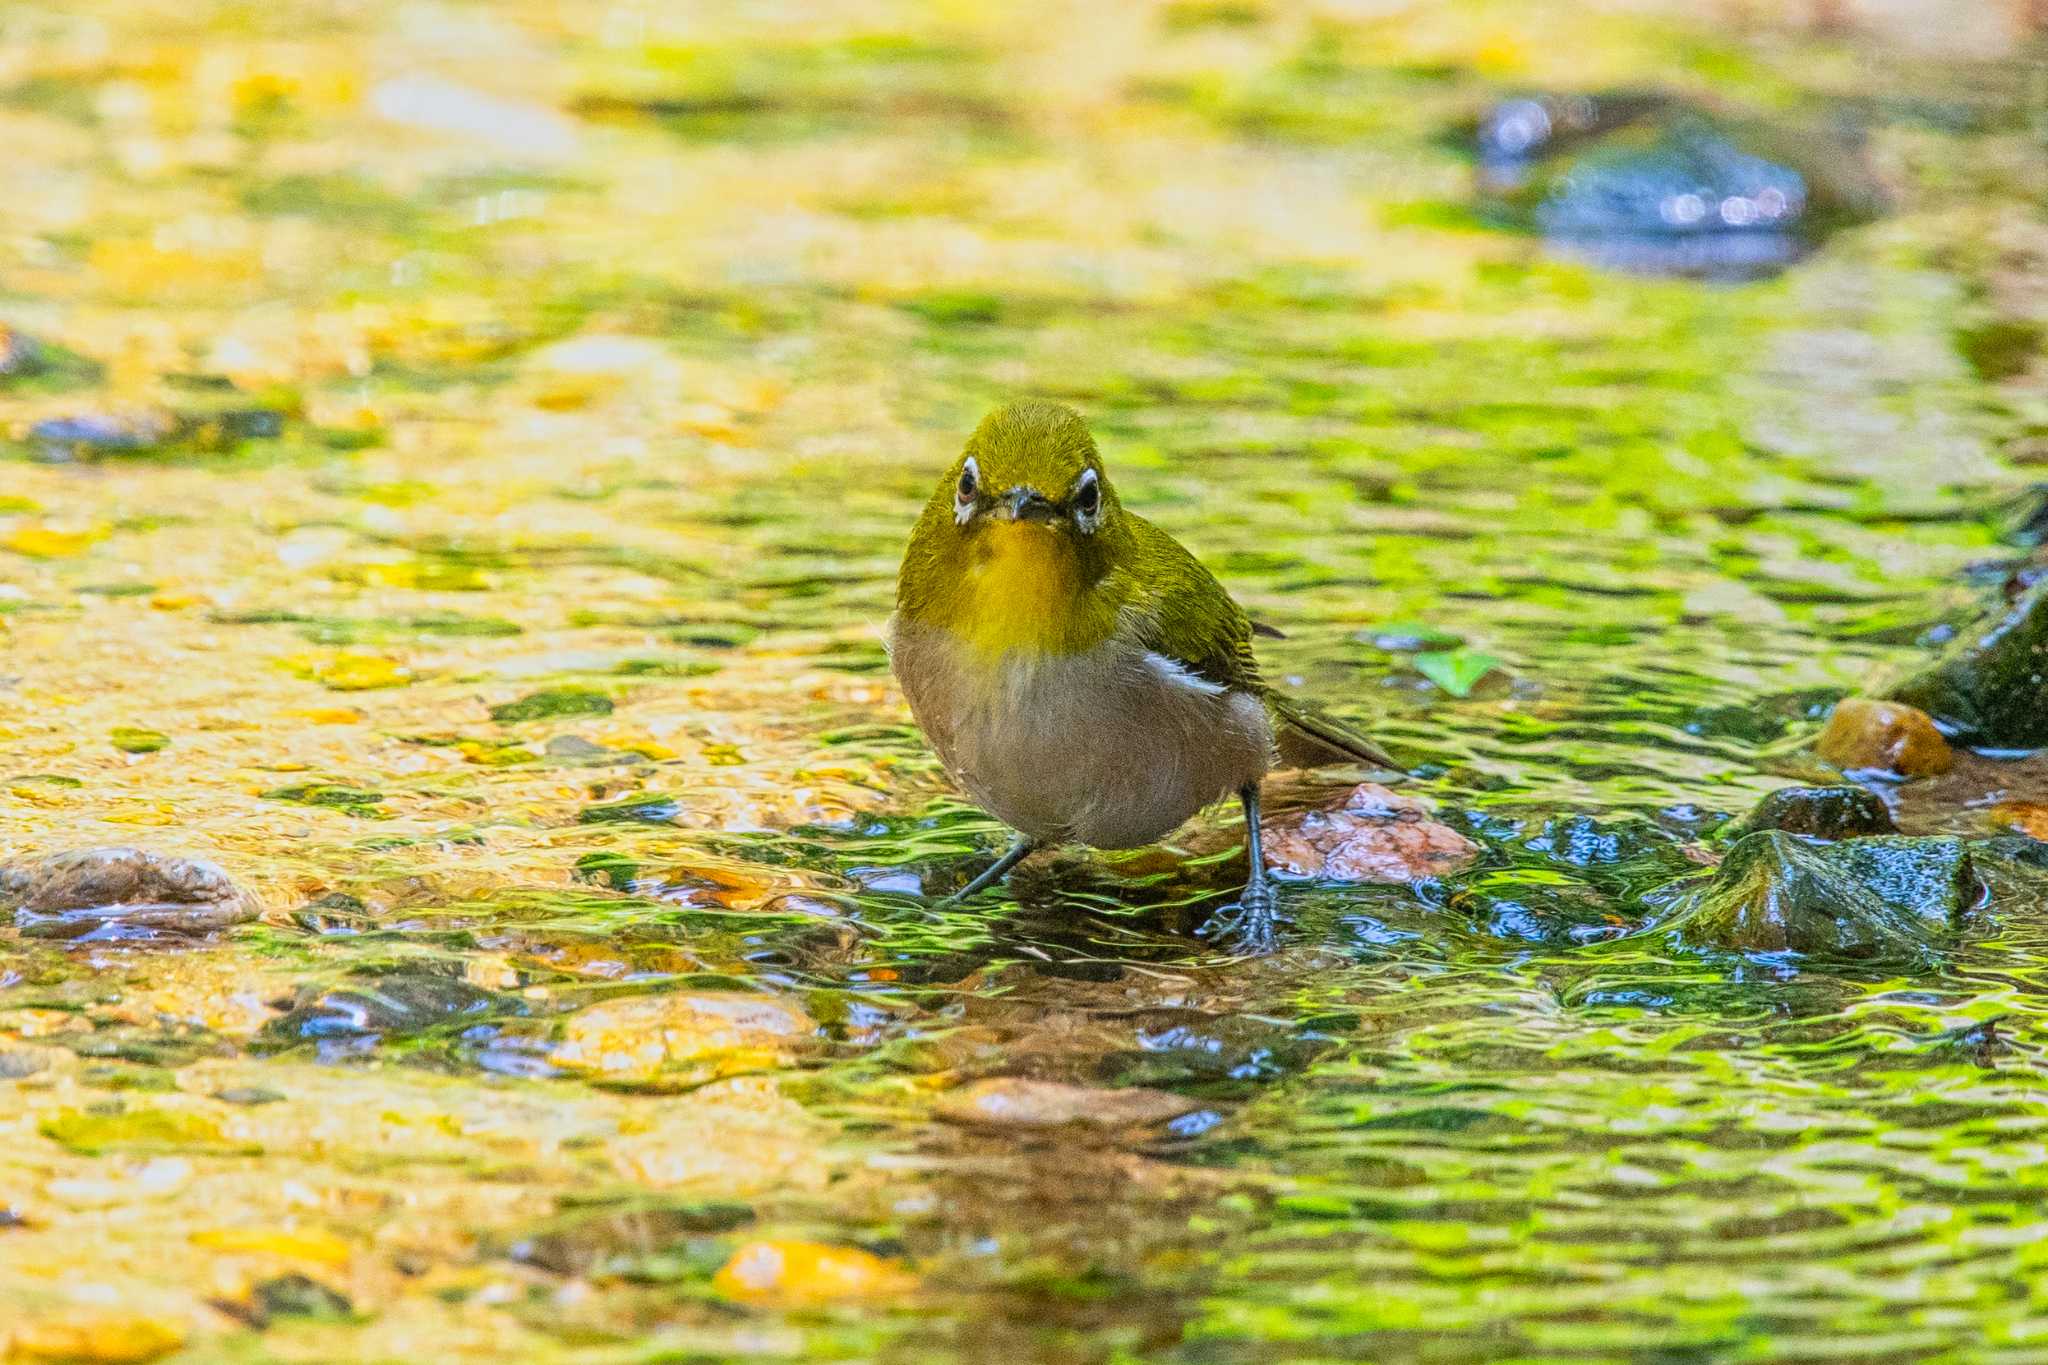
(1080, 674)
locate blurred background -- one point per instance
(453, 460)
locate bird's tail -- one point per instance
(1309, 739)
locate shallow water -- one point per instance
(531, 677)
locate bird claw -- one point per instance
(1251, 924)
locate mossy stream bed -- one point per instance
(455, 458)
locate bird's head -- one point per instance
(1029, 464)
(1024, 523)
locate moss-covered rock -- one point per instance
(1991, 686)
(1880, 898)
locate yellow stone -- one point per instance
(118, 1338)
(291, 1244)
(49, 542)
(349, 672)
(796, 1273)
(709, 1033)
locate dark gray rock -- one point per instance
(1844, 812)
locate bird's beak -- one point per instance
(1026, 504)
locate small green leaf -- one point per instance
(130, 739)
(1457, 671)
(559, 701)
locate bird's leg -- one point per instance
(1020, 848)
(1252, 924)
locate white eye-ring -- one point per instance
(1087, 500)
(964, 492)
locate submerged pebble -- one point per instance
(700, 1034)
(121, 892)
(1864, 735)
(1012, 1102)
(790, 1273)
(1376, 835)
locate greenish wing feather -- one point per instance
(1181, 611)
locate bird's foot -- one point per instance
(1251, 925)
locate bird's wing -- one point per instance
(1178, 609)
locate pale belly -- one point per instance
(1112, 748)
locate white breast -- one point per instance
(1114, 747)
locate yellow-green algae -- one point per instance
(530, 673)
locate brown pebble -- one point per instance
(1377, 835)
(1883, 736)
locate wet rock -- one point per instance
(574, 751)
(1375, 836)
(1990, 687)
(1883, 737)
(639, 810)
(407, 1002)
(121, 892)
(1654, 184)
(212, 428)
(251, 1095)
(686, 1037)
(1691, 203)
(1875, 898)
(28, 362)
(1845, 812)
(630, 1240)
(1011, 1102)
(1522, 129)
(793, 1274)
(89, 436)
(19, 1063)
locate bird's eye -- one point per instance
(1088, 494)
(969, 476)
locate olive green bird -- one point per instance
(1080, 674)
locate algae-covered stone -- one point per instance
(560, 701)
(1883, 736)
(402, 1002)
(1883, 897)
(1990, 688)
(1844, 812)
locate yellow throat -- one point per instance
(1022, 592)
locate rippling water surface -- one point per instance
(533, 404)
